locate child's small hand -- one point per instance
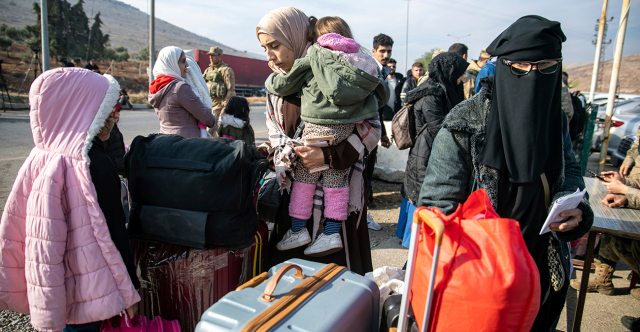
(311, 156)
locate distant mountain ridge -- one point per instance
(126, 25)
(629, 79)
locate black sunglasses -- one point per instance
(521, 68)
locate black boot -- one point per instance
(631, 323)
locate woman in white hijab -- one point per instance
(178, 106)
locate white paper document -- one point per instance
(565, 203)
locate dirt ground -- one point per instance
(386, 249)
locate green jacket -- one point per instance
(333, 91)
(236, 128)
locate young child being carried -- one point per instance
(338, 82)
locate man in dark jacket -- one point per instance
(417, 70)
(461, 49)
(92, 66)
(382, 46)
(395, 81)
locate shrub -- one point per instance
(5, 44)
(118, 54)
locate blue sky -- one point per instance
(430, 21)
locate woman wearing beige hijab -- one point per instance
(283, 33)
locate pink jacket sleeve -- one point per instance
(46, 236)
(193, 105)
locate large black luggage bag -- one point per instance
(194, 192)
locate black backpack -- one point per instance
(576, 126)
(193, 192)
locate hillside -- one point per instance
(127, 26)
(629, 75)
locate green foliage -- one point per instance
(98, 42)
(13, 33)
(78, 31)
(574, 83)
(425, 59)
(69, 32)
(5, 44)
(34, 30)
(144, 53)
(118, 54)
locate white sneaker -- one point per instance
(294, 240)
(372, 224)
(324, 245)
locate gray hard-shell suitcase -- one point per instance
(345, 302)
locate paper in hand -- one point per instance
(565, 203)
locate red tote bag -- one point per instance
(486, 280)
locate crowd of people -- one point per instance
(499, 123)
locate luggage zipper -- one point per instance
(289, 302)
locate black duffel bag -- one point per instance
(193, 192)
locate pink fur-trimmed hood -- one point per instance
(57, 259)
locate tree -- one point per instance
(69, 32)
(425, 59)
(34, 30)
(78, 30)
(144, 53)
(14, 34)
(58, 13)
(5, 44)
(122, 54)
(98, 42)
(118, 54)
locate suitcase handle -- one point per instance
(271, 286)
(432, 220)
(422, 214)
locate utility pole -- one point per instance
(617, 59)
(44, 29)
(406, 47)
(596, 62)
(603, 44)
(152, 53)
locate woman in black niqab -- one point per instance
(445, 69)
(523, 129)
(525, 116)
(432, 101)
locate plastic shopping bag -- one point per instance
(486, 280)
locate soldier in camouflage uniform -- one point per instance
(632, 159)
(625, 192)
(221, 82)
